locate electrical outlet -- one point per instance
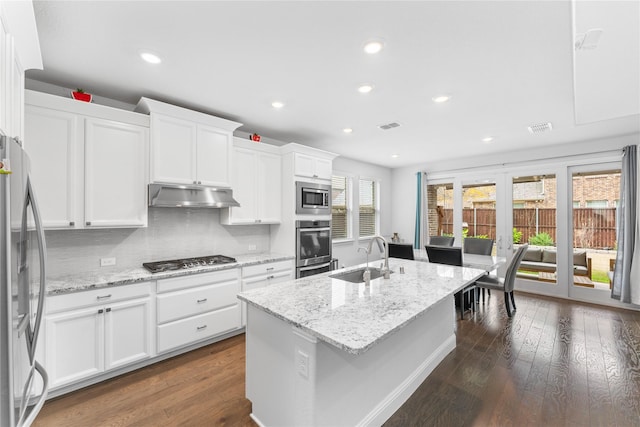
(252, 247)
(105, 262)
(302, 363)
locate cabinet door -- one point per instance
(75, 345)
(304, 165)
(128, 332)
(244, 181)
(323, 169)
(115, 174)
(213, 156)
(52, 141)
(269, 192)
(173, 150)
(4, 98)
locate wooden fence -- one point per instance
(594, 228)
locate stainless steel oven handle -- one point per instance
(314, 267)
(315, 229)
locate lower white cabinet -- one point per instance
(196, 307)
(261, 275)
(91, 332)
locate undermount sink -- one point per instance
(355, 276)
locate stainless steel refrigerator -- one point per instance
(23, 380)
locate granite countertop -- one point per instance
(58, 285)
(354, 317)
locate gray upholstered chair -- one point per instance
(400, 250)
(475, 245)
(452, 256)
(506, 283)
(441, 240)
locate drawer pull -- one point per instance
(108, 310)
(200, 328)
(271, 277)
(99, 297)
(270, 268)
(100, 311)
(200, 301)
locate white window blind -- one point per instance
(368, 208)
(339, 207)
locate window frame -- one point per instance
(349, 207)
(376, 206)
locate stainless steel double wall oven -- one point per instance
(313, 247)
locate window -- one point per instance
(576, 204)
(340, 207)
(518, 205)
(368, 208)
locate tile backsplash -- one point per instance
(172, 233)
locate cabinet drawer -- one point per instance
(186, 331)
(271, 279)
(187, 302)
(262, 269)
(184, 282)
(96, 296)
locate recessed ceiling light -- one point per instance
(441, 98)
(151, 58)
(347, 130)
(395, 156)
(487, 139)
(277, 104)
(373, 46)
(365, 88)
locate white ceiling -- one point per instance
(506, 64)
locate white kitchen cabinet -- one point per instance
(89, 333)
(89, 163)
(266, 274)
(256, 182)
(19, 51)
(115, 174)
(188, 147)
(312, 167)
(197, 307)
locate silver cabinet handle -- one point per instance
(88, 222)
(99, 297)
(195, 182)
(72, 223)
(270, 268)
(200, 301)
(108, 310)
(200, 328)
(271, 277)
(199, 182)
(100, 311)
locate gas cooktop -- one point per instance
(186, 263)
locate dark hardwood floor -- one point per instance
(555, 363)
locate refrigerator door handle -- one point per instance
(30, 416)
(42, 254)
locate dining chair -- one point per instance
(401, 250)
(441, 240)
(475, 245)
(452, 256)
(506, 283)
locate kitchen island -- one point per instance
(323, 351)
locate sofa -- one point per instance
(543, 259)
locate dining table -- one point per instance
(487, 263)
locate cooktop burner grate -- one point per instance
(186, 263)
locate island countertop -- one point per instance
(353, 316)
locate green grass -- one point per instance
(599, 276)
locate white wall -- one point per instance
(404, 180)
(347, 251)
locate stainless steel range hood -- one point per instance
(190, 196)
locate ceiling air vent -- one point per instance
(389, 126)
(540, 128)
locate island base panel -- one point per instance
(295, 379)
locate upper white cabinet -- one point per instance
(188, 147)
(89, 162)
(312, 167)
(256, 182)
(19, 51)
